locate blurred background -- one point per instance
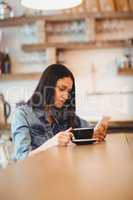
(94, 40)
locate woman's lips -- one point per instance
(62, 101)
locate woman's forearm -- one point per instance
(62, 138)
(48, 144)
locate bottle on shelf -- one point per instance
(132, 62)
(6, 11)
(6, 68)
(1, 62)
(127, 55)
(60, 56)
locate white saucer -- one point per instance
(84, 141)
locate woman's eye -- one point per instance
(62, 89)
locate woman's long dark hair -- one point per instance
(44, 94)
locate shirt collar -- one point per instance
(58, 114)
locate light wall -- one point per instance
(99, 89)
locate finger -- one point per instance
(100, 131)
(70, 135)
(95, 134)
(101, 138)
(102, 128)
(98, 137)
(67, 135)
(65, 138)
(69, 132)
(103, 134)
(62, 142)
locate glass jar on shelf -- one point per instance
(119, 62)
(132, 62)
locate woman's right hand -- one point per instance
(64, 137)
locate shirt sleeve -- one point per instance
(82, 123)
(20, 135)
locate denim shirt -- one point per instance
(30, 129)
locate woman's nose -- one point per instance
(66, 95)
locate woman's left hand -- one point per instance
(99, 134)
(100, 130)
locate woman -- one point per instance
(49, 115)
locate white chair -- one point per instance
(5, 152)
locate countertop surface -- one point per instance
(98, 171)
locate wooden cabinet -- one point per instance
(131, 5)
(122, 5)
(84, 27)
(92, 6)
(107, 5)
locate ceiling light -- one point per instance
(50, 4)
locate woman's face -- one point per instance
(62, 91)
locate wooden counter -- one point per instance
(99, 171)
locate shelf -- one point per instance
(22, 20)
(113, 15)
(75, 46)
(98, 93)
(128, 72)
(22, 76)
